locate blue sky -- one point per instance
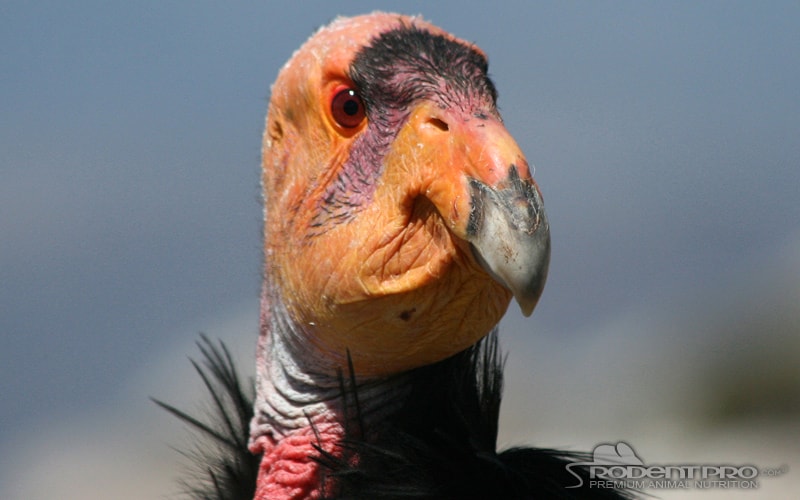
(664, 135)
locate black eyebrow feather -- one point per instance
(409, 63)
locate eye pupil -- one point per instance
(347, 109)
(351, 107)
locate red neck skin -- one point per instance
(288, 469)
(299, 408)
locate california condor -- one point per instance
(400, 219)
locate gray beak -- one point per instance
(510, 236)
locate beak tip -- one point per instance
(527, 293)
(525, 276)
(526, 307)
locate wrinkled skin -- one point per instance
(397, 285)
(392, 242)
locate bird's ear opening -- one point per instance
(274, 130)
(346, 110)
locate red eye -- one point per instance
(347, 109)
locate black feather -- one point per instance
(407, 64)
(441, 445)
(223, 469)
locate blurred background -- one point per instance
(666, 143)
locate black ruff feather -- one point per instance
(441, 445)
(224, 469)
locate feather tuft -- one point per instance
(223, 468)
(440, 445)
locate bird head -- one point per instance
(401, 216)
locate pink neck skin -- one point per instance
(299, 406)
(288, 470)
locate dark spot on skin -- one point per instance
(406, 315)
(475, 221)
(480, 115)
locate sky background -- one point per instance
(665, 137)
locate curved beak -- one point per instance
(510, 236)
(483, 187)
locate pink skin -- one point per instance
(287, 470)
(299, 408)
(291, 427)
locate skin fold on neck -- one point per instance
(300, 407)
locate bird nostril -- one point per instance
(440, 124)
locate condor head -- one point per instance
(401, 216)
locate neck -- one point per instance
(300, 406)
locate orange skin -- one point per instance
(392, 281)
(397, 286)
